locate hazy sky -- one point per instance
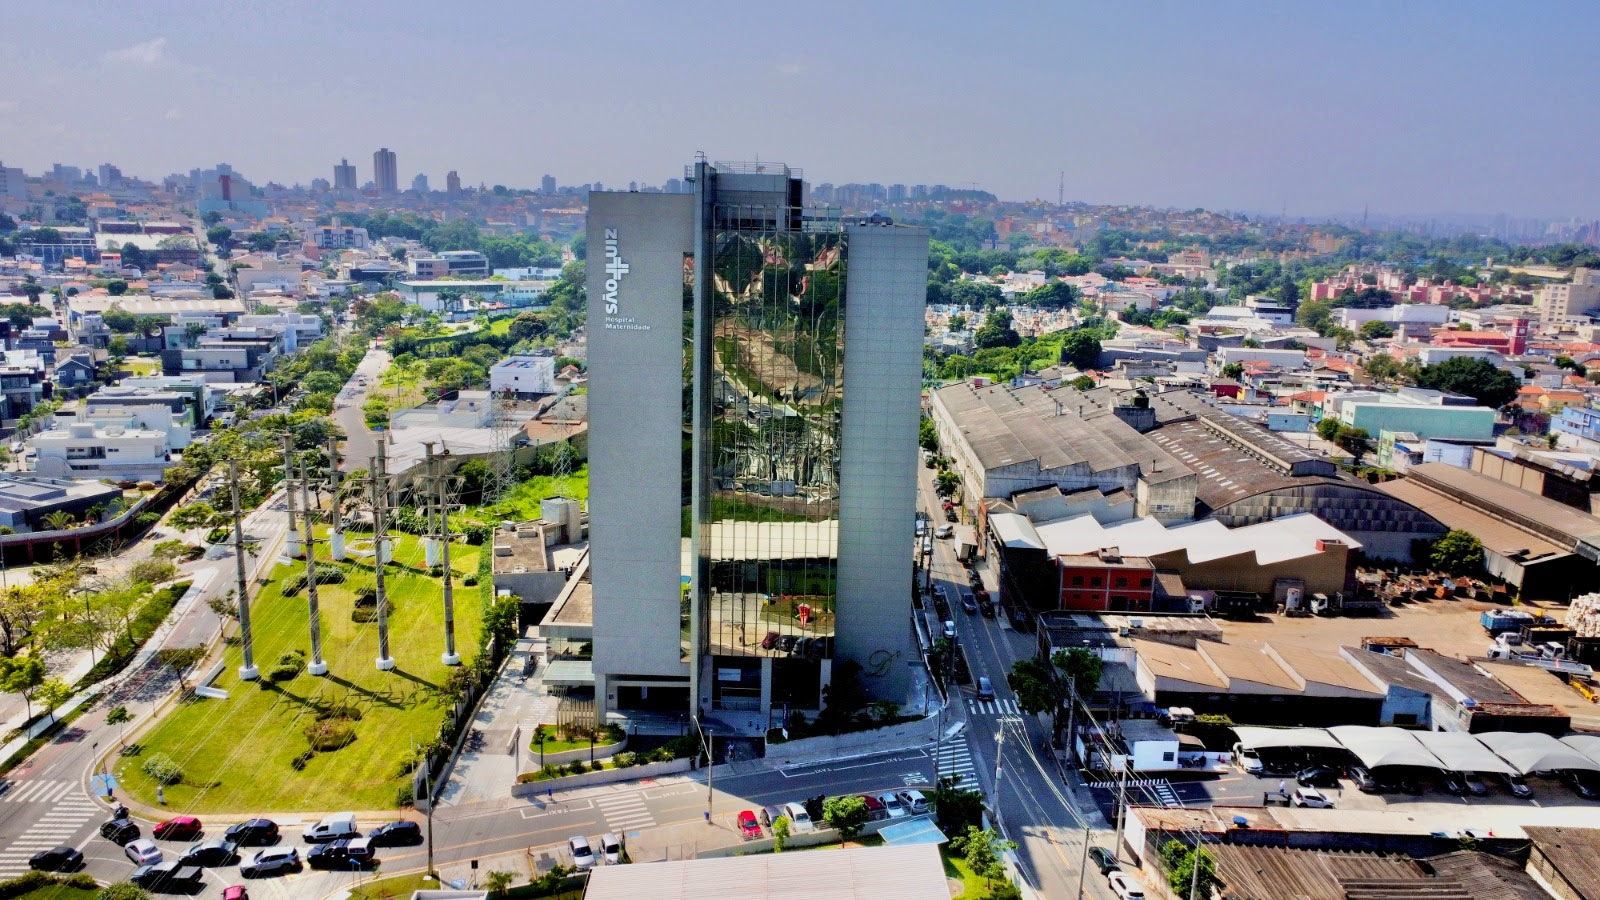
(1409, 107)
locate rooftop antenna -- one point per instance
(1061, 190)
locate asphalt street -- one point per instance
(360, 444)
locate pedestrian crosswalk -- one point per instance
(1132, 783)
(955, 758)
(1159, 788)
(67, 812)
(993, 707)
(1164, 793)
(625, 811)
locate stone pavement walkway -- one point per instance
(506, 718)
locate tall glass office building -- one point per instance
(771, 356)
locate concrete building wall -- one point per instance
(1425, 421)
(883, 361)
(636, 430)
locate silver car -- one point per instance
(273, 859)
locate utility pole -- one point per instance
(317, 667)
(288, 485)
(380, 536)
(442, 509)
(335, 525)
(247, 671)
(1083, 864)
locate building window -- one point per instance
(1122, 581)
(1095, 581)
(1077, 581)
(1144, 582)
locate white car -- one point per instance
(1250, 761)
(915, 802)
(582, 854)
(610, 848)
(944, 531)
(892, 806)
(1312, 798)
(1125, 886)
(143, 852)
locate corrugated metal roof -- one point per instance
(1573, 852)
(903, 872)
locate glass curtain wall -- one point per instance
(773, 388)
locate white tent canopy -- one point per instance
(1587, 744)
(1255, 738)
(1536, 752)
(1385, 747)
(1461, 752)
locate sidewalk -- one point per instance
(506, 717)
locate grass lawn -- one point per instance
(502, 326)
(408, 551)
(141, 366)
(523, 503)
(972, 887)
(395, 887)
(236, 754)
(59, 892)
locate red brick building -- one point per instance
(1106, 582)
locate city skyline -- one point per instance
(1309, 112)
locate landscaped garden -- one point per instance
(294, 741)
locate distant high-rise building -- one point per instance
(673, 186)
(13, 182)
(897, 193)
(321, 185)
(420, 183)
(65, 174)
(110, 176)
(547, 184)
(344, 176)
(790, 474)
(452, 183)
(385, 173)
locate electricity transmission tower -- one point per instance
(317, 666)
(379, 484)
(441, 494)
(503, 429)
(247, 671)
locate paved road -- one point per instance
(1035, 804)
(359, 444)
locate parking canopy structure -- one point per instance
(1587, 744)
(1385, 747)
(1534, 751)
(1461, 752)
(1255, 738)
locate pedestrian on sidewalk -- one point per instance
(1283, 788)
(550, 794)
(161, 795)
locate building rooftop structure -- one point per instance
(1288, 538)
(1269, 873)
(891, 872)
(1568, 858)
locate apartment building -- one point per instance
(115, 452)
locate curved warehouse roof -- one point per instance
(1461, 752)
(1254, 738)
(1385, 747)
(1536, 752)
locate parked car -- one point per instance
(875, 810)
(255, 831)
(1318, 776)
(178, 828)
(344, 853)
(968, 604)
(985, 688)
(120, 831)
(235, 892)
(892, 806)
(1581, 784)
(944, 531)
(950, 629)
(402, 833)
(142, 853)
(211, 853)
(582, 854)
(749, 828)
(56, 859)
(277, 859)
(786, 643)
(986, 607)
(799, 819)
(1365, 783)
(770, 641)
(1125, 886)
(1249, 760)
(1452, 782)
(611, 848)
(1311, 797)
(168, 876)
(1475, 784)
(332, 828)
(1105, 859)
(915, 802)
(1516, 785)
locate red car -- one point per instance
(177, 828)
(237, 892)
(770, 641)
(748, 826)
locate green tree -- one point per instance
(948, 482)
(498, 882)
(119, 716)
(199, 514)
(780, 833)
(22, 676)
(996, 332)
(53, 693)
(955, 808)
(981, 848)
(846, 815)
(1482, 380)
(1233, 370)
(928, 435)
(1457, 552)
(1381, 366)
(1376, 329)
(220, 235)
(1054, 295)
(1081, 348)
(1082, 383)
(117, 288)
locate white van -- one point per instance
(338, 825)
